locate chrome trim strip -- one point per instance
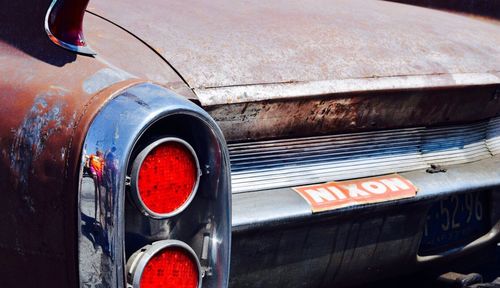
(292, 162)
(493, 138)
(273, 207)
(101, 207)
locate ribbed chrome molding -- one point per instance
(291, 162)
(493, 137)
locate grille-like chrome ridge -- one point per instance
(493, 137)
(300, 161)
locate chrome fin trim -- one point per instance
(84, 50)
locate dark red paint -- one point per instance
(65, 21)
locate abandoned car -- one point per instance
(244, 143)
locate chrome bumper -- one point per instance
(279, 242)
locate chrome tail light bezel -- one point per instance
(132, 118)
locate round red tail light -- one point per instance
(168, 263)
(165, 177)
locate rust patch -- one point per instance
(347, 112)
(43, 120)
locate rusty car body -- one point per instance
(271, 95)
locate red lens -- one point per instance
(171, 267)
(167, 177)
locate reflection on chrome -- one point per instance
(99, 172)
(98, 185)
(107, 148)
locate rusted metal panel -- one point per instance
(43, 123)
(49, 96)
(329, 114)
(117, 48)
(260, 92)
(230, 43)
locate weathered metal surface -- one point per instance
(125, 54)
(284, 91)
(226, 43)
(289, 69)
(49, 96)
(278, 242)
(39, 112)
(489, 8)
(336, 113)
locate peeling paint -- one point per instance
(43, 120)
(321, 115)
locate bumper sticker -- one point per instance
(334, 195)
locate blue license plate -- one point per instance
(455, 221)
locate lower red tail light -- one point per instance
(165, 177)
(164, 264)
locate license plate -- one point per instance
(335, 195)
(455, 221)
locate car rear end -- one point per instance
(445, 146)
